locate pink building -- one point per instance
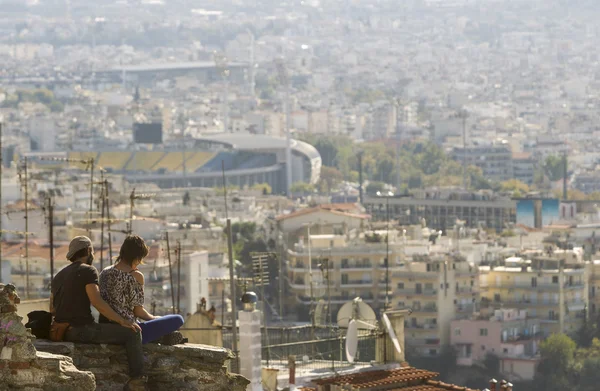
(509, 335)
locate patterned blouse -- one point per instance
(121, 291)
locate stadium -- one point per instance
(248, 159)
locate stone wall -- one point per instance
(182, 367)
(21, 366)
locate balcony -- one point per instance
(414, 292)
(468, 290)
(356, 266)
(433, 275)
(428, 309)
(423, 341)
(357, 284)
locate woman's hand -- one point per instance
(130, 325)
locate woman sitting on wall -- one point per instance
(122, 287)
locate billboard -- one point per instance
(147, 133)
(538, 213)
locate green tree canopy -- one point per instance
(554, 167)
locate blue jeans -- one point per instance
(154, 329)
(110, 333)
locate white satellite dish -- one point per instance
(392, 333)
(359, 311)
(351, 341)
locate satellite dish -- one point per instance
(360, 312)
(321, 313)
(318, 284)
(392, 333)
(351, 341)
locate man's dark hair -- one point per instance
(133, 247)
(84, 252)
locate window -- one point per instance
(432, 352)
(505, 350)
(400, 285)
(482, 347)
(555, 279)
(344, 278)
(483, 332)
(534, 281)
(457, 331)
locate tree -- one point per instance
(516, 187)
(302, 188)
(554, 167)
(330, 177)
(555, 368)
(374, 187)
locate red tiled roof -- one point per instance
(378, 378)
(394, 377)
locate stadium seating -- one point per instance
(197, 160)
(171, 161)
(144, 160)
(114, 160)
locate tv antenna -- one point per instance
(359, 312)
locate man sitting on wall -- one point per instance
(73, 290)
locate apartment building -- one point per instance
(551, 292)
(440, 208)
(494, 160)
(509, 334)
(523, 167)
(342, 269)
(594, 287)
(438, 289)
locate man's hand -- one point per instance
(131, 325)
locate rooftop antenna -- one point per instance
(231, 271)
(89, 163)
(132, 197)
(260, 268)
(358, 311)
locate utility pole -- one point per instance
(170, 273)
(107, 204)
(463, 115)
(102, 217)
(1, 171)
(91, 162)
(284, 79)
(232, 287)
(178, 277)
(51, 237)
(26, 182)
(565, 191)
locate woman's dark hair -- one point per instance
(133, 247)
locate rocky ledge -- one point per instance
(182, 367)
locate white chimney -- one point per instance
(250, 342)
